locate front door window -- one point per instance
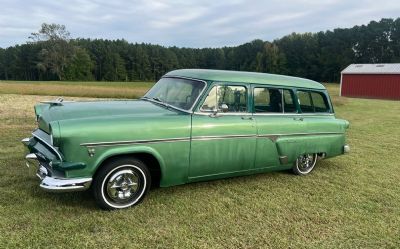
(234, 97)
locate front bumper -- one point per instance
(51, 182)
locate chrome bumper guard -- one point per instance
(51, 183)
(346, 149)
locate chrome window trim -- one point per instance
(190, 110)
(295, 114)
(204, 138)
(224, 113)
(267, 114)
(48, 145)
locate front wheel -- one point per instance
(121, 183)
(305, 164)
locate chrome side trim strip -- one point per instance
(48, 145)
(273, 137)
(200, 138)
(165, 140)
(300, 134)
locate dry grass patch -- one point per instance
(77, 89)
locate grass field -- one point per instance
(352, 201)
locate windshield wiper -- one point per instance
(158, 101)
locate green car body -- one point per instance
(180, 145)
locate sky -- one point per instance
(187, 23)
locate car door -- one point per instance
(279, 126)
(223, 137)
(325, 133)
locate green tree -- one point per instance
(56, 50)
(80, 66)
(114, 68)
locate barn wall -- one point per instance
(380, 86)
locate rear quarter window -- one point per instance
(320, 102)
(311, 101)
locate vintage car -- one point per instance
(192, 125)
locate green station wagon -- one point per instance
(192, 125)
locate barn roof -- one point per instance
(388, 68)
(245, 77)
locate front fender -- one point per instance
(128, 150)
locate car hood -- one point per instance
(46, 113)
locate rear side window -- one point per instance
(312, 102)
(273, 100)
(267, 100)
(319, 101)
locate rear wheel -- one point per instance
(305, 164)
(121, 183)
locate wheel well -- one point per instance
(148, 159)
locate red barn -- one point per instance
(379, 81)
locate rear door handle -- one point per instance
(247, 117)
(298, 119)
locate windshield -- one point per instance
(177, 92)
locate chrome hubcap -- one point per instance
(122, 185)
(306, 162)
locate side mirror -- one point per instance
(224, 107)
(217, 111)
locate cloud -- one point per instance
(187, 23)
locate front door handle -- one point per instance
(247, 117)
(298, 119)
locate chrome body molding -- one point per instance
(200, 138)
(273, 137)
(166, 140)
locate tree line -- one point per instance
(51, 54)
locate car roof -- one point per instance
(245, 77)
